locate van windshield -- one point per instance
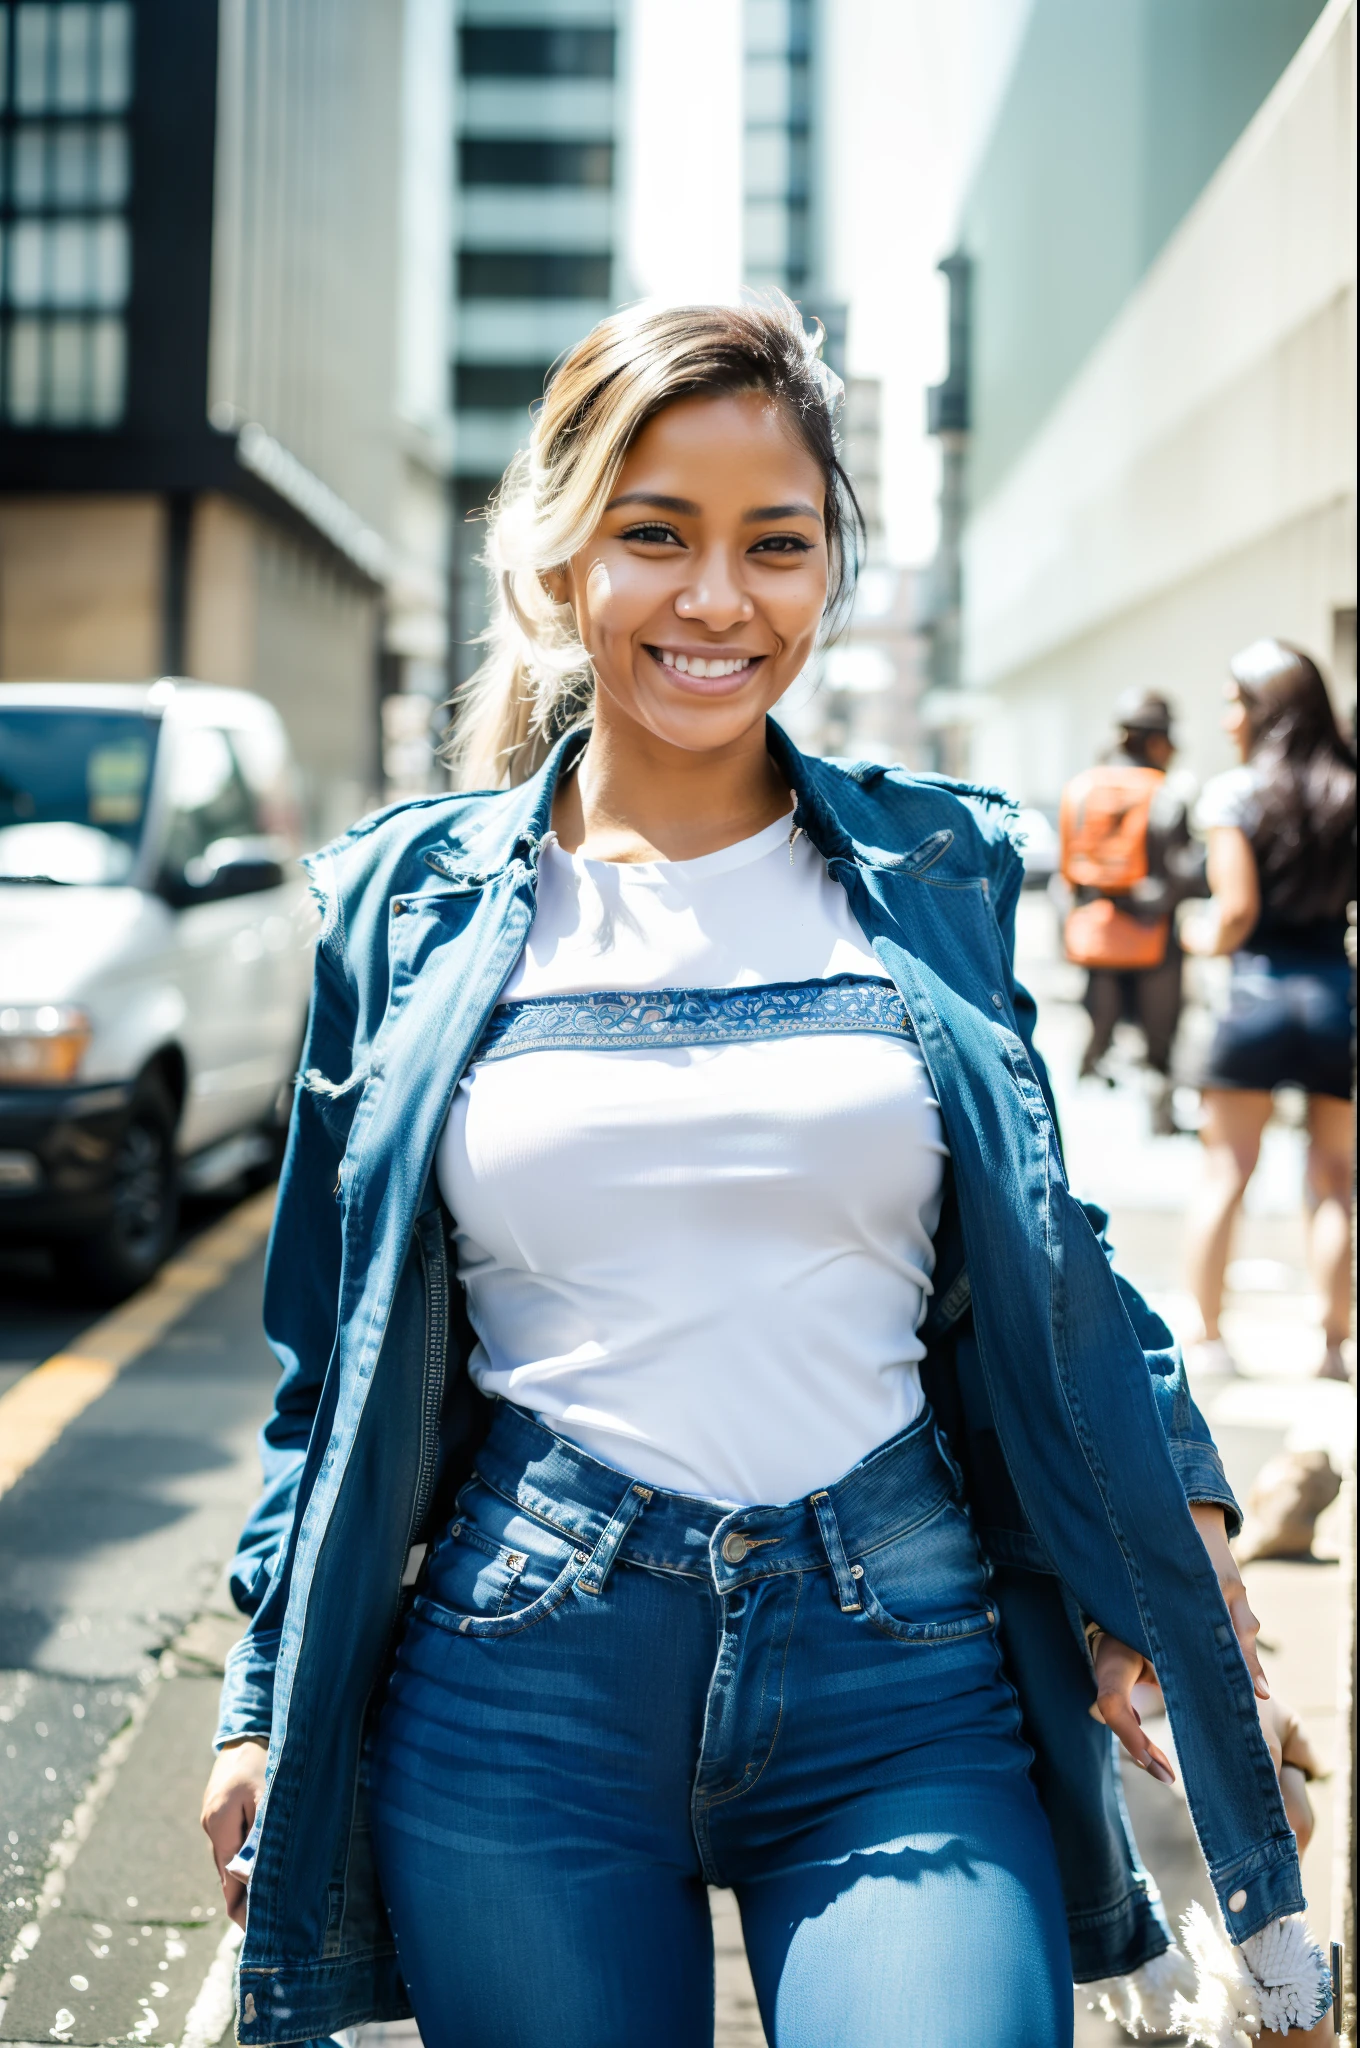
(73, 792)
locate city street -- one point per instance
(113, 1619)
(980, 379)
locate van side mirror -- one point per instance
(229, 867)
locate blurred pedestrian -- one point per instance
(1281, 833)
(1128, 852)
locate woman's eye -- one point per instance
(782, 544)
(652, 533)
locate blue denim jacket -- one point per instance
(1064, 1395)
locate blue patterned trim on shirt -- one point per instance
(624, 1019)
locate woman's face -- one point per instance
(699, 595)
(1235, 722)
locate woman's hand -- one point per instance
(232, 1794)
(1119, 1669)
(1213, 1534)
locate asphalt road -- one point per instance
(37, 1313)
(113, 1623)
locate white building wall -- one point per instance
(1195, 486)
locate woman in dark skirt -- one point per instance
(1281, 831)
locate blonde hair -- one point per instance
(536, 681)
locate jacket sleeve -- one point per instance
(1193, 1450)
(301, 1307)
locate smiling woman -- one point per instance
(628, 537)
(695, 1072)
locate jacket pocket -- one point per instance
(928, 1585)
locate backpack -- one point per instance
(1103, 846)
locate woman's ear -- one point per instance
(557, 583)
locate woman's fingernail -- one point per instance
(1262, 1689)
(1143, 1762)
(1160, 1772)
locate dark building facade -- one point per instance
(199, 453)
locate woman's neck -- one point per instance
(633, 797)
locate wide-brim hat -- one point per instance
(1143, 711)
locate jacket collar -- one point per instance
(515, 826)
(809, 780)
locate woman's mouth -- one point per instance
(714, 671)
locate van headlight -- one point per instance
(41, 1044)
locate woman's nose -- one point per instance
(715, 598)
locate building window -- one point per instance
(500, 386)
(487, 160)
(537, 52)
(65, 79)
(532, 274)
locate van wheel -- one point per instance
(122, 1255)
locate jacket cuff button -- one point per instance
(1237, 1902)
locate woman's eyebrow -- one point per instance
(684, 506)
(797, 510)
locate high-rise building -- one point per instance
(779, 219)
(538, 226)
(218, 454)
(783, 144)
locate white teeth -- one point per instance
(695, 665)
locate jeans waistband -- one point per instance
(895, 1488)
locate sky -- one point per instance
(911, 88)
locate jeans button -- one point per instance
(734, 1547)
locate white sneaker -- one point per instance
(1211, 1359)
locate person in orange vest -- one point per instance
(1127, 852)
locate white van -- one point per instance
(155, 959)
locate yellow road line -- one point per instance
(38, 1407)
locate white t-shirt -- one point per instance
(696, 1233)
(1232, 798)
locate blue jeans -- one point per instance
(609, 1697)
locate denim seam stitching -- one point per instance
(749, 1779)
(574, 1536)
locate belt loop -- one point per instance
(949, 1460)
(835, 1553)
(607, 1549)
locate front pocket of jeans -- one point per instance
(925, 1631)
(496, 1570)
(929, 1584)
(484, 1626)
